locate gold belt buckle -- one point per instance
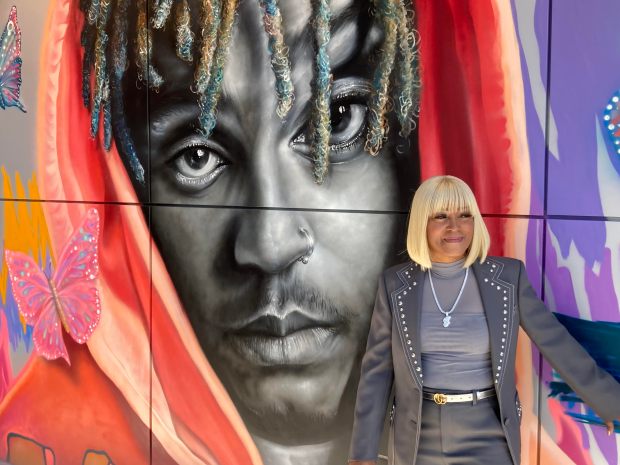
(440, 399)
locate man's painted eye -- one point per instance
(197, 167)
(348, 114)
(348, 122)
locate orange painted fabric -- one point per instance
(71, 410)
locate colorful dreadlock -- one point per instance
(407, 79)
(93, 12)
(119, 54)
(320, 124)
(395, 81)
(211, 19)
(162, 11)
(185, 36)
(387, 13)
(101, 91)
(208, 100)
(272, 20)
(144, 45)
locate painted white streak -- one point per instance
(576, 265)
(525, 11)
(609, 191)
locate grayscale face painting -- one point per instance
(284, 336)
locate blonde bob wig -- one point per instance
(444, 194)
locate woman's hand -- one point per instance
(610, 427)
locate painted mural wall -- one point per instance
(205, 194)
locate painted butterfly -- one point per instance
(611, 117)
(11, 63)
(69, 298)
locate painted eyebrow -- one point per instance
(172, 113)
(340, 23)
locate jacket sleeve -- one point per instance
(375, 383)
(592, 384)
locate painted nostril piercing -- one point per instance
(309, 246)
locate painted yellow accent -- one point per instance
(25, 229)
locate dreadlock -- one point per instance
(272, 20)
(119, 53)
(185, 36)
(407, 78)
(209, 98)
(105, 61)
(320, 126)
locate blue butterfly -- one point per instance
(11, 63)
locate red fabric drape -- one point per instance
(463, 126)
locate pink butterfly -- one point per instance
(69, 298)
(11, 63)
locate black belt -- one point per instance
(440, 398)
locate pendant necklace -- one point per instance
(447, 317)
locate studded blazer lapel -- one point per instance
(406, 302)
(499, 301)
(498, 298)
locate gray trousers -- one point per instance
(462, 434)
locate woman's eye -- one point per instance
(197, 167)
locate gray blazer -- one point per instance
(392, 358)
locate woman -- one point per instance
(443, 337)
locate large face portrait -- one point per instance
(277, 273)
(274, 225)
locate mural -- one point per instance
(208, 191)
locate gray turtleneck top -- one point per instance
(457, 357)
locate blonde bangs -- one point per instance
(444, 194)
(450, 197)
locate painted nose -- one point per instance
(272, 241)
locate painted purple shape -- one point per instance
(534, 128)
(584, 74)
(559, 280)
(601, 293)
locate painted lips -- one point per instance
(294, 339)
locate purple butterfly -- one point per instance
(11, 63)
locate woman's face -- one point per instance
(283, 336)
(449, 235)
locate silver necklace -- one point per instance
(447, 317)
